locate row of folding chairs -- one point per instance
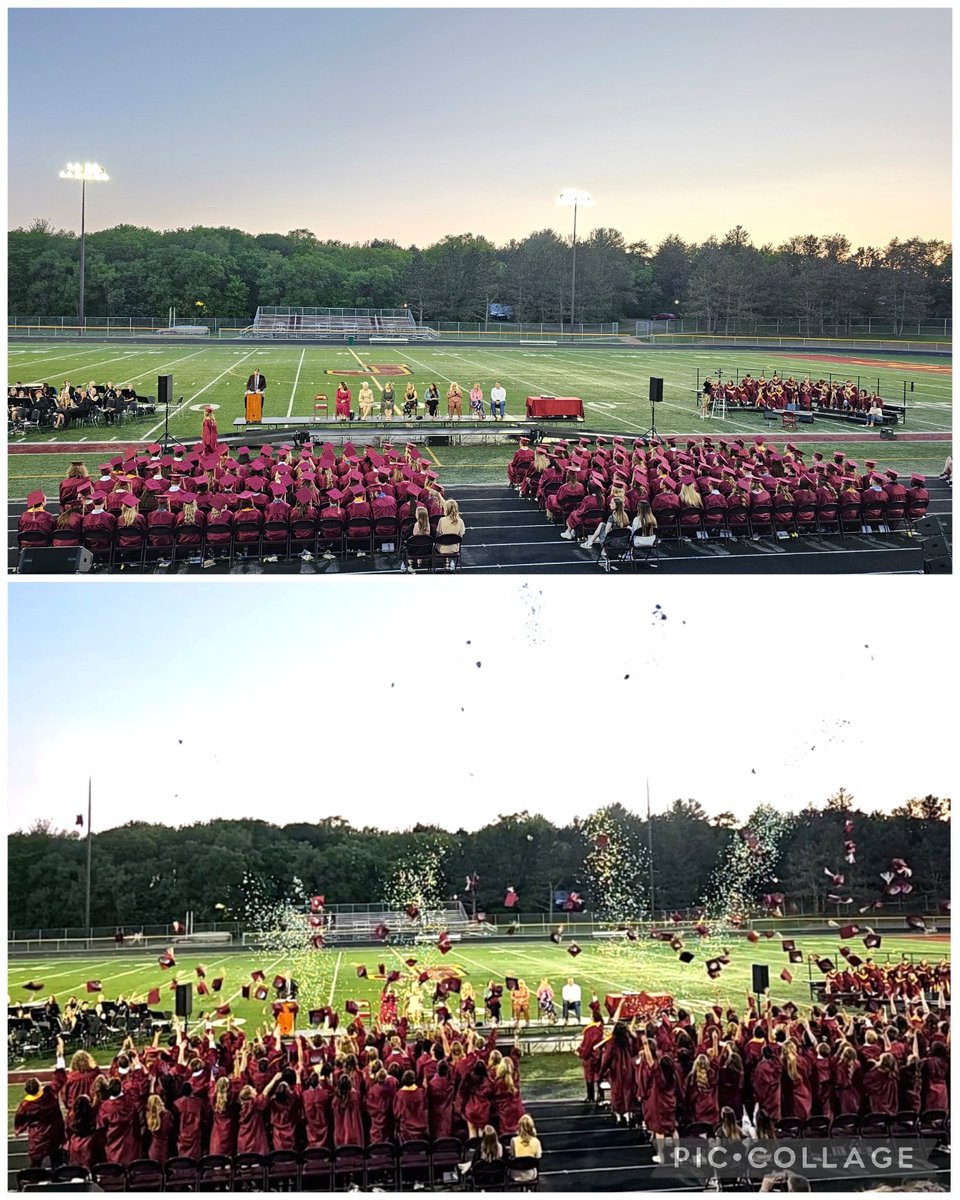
(387, 1165)
(906, 1124)
(760, 520)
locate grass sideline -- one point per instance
(612, 383)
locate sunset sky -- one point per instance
(298, 699)
(412, 124)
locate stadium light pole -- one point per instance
(650, 847)
(89, 848)
(574, 198)
(96, 174)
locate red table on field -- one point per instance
(554, 406)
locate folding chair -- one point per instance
(145, 1175)
(828, 518)
(130, 546)
(761, 519)
(690, 519)
(180, 1175)
(316, 1170)
(488, 1176)
(737, 520)
(249, 1173)
(330, 535)
(616, 548)
(247, 534)
(381, 1166)
(414, 1164)
(358, 535)
(850, 519)
(451, 559)
(215, 1173)
(110, 1177)
(905, 1124)
(31, 1176)
(283, 1171)
(32, 537)
(418, 553)
(668, 523)
(785, 516)
(276, 538)
(847, 1125)
(445, 1157)
(75, 1173)
(303, 534)
(349, 1167)
(875, 1125)
(789, 1127)
(816, 1127)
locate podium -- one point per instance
(253, 407)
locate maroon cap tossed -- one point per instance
(257, 975)
(217, 983)
(167, 960)
(796, 956)
(93, 985)
(261, 994)
(786, 976)
(788, 944)
(686, 956)
(361, 972)
(825, 964)
(223, 1010)
(279, 981)
(381, 930)
(352, 1007)
(872, 941)
(202, 989)
(573, 950)
(153, 996)
(245, 991)
(393, 976)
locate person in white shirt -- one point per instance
(572, 996)
(498, 401)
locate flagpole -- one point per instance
(89, 846)
(650, 847)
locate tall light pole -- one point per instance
(574, 198)
(89, 847)
(96, 174)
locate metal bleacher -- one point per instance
(364, 324)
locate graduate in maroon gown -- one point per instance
(508, 1107)
(378, 1103)
(285, 1113)
(347, 1117)
(410, 1110)
(191, 1109)
(846, 1082)
(589, 1056)
(617, 1056)
(796, 1093)
(702, 1097)
(440, 1101)
(160, 1130)
(822, 1082)
(881, 1086)
(224, 1110)
(36, 519)
(475, 1095)
(84, 1144)
(119, 1118)
(730, 1083)
(660, 1101)
(766, 1083)
(208, 435)
(317, 1114)
(38, 1116)
(251, 1129)
(935, 1072)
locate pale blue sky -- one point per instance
(281, 693)
(412, 124)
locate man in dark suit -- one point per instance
(257, 381)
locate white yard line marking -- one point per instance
(366, 367)
(61, 357)
(336, 972)
(190, 399)
(295, 382)
(84, 367)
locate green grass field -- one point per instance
(330, 977)
(612, 383)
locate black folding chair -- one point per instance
(145, 1175)
(449, 560)
(616, 547)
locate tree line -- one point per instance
(224, 273)
(147, 874)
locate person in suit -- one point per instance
(257, 382)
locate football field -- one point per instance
(612, 382)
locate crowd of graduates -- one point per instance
(747, 1073)
(699, 484)
(231, 1095)
(211, 494)
(803, 394)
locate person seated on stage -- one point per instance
(476, 401)
(431, 397)
(451, 523)
(36, 519)
(387, 400)
(644, 524)
(342, 409)
(498, 401)
(365, 400)
(947, 472)
(455, 401)
(545, 1000)
(410, 401)
(520, 1002)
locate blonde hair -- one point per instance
(221, 1094)
(155, 1110)
(489, 1143)
(540, 461)
(82, 1061)
(452, 510)
(128, 514)
(700, 1072)
(423, 521)
(190, 513)
(505, 1076)
(620, 516)
(77, 471)
(690, 495)
(526, 1129)
(790, 1060)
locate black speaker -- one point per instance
(54, 560)
(928, 527)
(804, 418)
(937, 566)
(770, 414)
(935, 547)
(887, 434)
(184, 999)
(656, 390)
(761, 978)
(164, 389)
